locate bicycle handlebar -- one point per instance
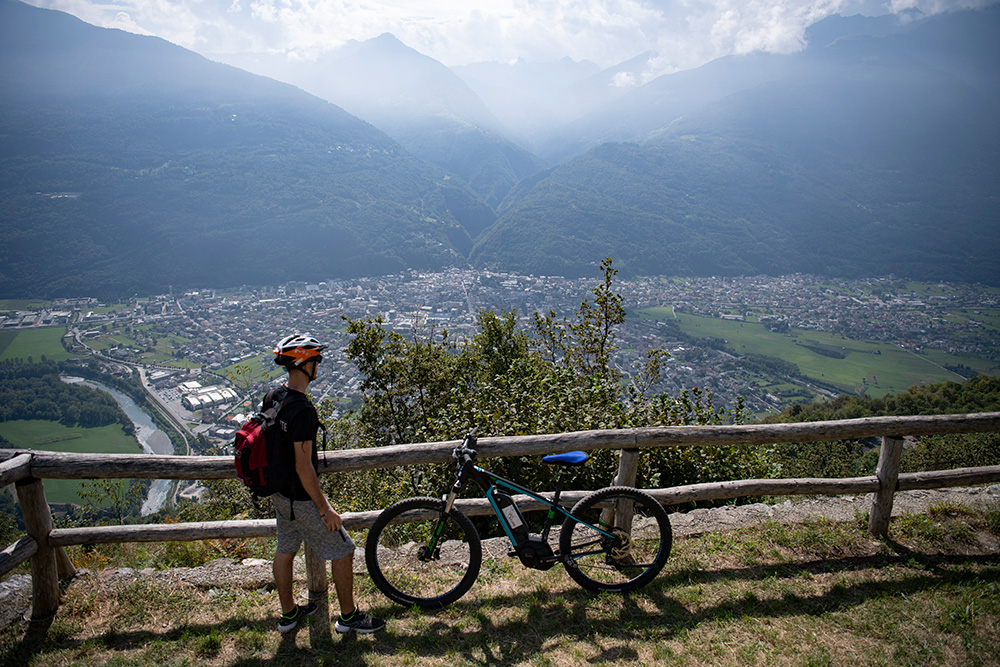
(467, 448)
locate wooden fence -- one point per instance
(44, 545)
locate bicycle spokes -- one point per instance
(430, 561)
(627, 551)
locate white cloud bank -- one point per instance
(684, 33)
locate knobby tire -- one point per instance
(400, 565)
(627, 562)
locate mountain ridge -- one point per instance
(130, 164)
(856, 157)
(188, 172)
(421, 104)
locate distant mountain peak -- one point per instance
(182, 167)
(387, 38)
(837, 26)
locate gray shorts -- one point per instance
(309, 527)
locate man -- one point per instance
(303, 512)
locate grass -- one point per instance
(887, 369)
(55, 437)
(819, 593)
(23, 304)
(126, 338)
(35, 343)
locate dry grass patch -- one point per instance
(820, 593)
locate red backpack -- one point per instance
(260, 463)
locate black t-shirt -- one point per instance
(298, 422)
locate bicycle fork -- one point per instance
(431, 551)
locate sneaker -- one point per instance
(359, 621)
(288, 622)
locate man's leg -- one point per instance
(342, 572)
(351, 619)
(282, 569)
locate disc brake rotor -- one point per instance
(425, 555)
(623, 548)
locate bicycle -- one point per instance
(423, 551)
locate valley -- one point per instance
(771, 341)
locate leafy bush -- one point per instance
(558, 377)
(859, 458)
(944, 452)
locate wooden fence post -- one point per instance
(319, 592)
(628, 467)
(888, 479)
(38, 524)
(620, 516)
(64, 566)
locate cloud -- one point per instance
(682, 33)
(123, 21)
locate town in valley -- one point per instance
(198, 350)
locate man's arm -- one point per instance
(310, 482)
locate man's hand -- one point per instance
(331, 520)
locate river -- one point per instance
(152, 439)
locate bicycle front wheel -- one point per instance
(630, 548)
(418, 555)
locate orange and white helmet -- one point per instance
(297, 349)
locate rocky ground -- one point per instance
(256, 573)
(838, 508)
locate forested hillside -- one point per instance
(867, 156)
(128, 165)
(418, 102)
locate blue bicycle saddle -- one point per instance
(567, 458)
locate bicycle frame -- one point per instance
(489, 483)
(618, 539)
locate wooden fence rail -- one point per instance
(44, 545)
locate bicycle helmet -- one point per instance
(297, 349)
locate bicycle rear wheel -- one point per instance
(635, 552)
(404, 567)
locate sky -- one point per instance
(684, 33)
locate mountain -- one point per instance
(639, 112)
(868, 154)
(128, 164)
(418, 102)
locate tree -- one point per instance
(114, 498)
(589, 343)
(497, 346)
(405, 383)
(504, 381)
(596, 325)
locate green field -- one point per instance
(163, 352)
(34, 343)
(255, 369)
(23, 304)
(884, 368)
(55, 437)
